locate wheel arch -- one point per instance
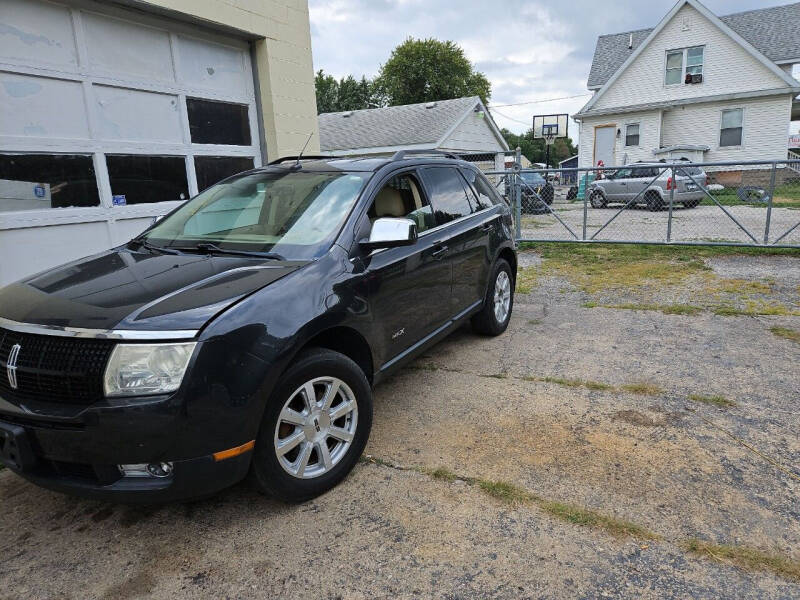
(347, 341)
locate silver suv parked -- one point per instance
(650, 184)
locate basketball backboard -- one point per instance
(550, 126)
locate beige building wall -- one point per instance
(281, 36)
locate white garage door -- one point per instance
(107, 119)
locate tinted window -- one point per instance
(212, 169)
(143, 179)
(481, 189)
(447, 194)
(218, 122)
(31, 181)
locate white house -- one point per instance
(697, 86)
(112, 113)
(461, 125)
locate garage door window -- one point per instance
(218, 122)
(145, 179)
(211, 169)
(36, 181)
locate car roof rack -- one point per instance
(401, 154)
(283, 159)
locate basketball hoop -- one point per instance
(549, 138)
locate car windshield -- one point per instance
(533, 178)
(293, 214)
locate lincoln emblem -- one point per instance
(11, 365)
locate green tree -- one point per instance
(428, 70)
(327, 89)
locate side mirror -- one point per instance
(390, 233)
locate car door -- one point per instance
(617, 186)
(640, 177)
(463, 230)
(409, 286)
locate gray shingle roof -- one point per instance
(406, 125)
(775, 32)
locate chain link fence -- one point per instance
(753, 203)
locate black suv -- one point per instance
(244, 331)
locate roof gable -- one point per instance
(771, 75)
(774, 32)
(423, 125)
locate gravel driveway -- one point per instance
(606, 412)
(703, 223)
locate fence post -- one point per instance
(517, 192)
(585, 201)
(671, 202)
(769, 200)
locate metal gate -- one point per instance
(749, 203)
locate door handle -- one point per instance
(439, 252)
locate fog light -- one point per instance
(163, 469)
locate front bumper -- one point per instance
(81, 455)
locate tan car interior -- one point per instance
(401, 197)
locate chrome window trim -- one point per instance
(107, 334)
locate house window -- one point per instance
(730, 133)
(211, 169)
(632, 134)
(692, 58)
(674, 67)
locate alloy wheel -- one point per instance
(502, 296)
(316, 427)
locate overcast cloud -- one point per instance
(529, 49)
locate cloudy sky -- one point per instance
(529, 49)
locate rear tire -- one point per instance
(654, 201)
(499, 302)
(308, 469)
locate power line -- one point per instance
(494, 110)
(539, 101)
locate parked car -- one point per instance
(243, 332)
(649, 184)
(537, 193)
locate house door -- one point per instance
(604, 140)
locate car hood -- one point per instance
(123, 289)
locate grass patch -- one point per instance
(667, 309)
(715, 400)
(505, 492)
(534, 321)
(573, 383)
(527, 278)
(756, 309)
(746, 558)
(786, 333)
(590, 518)
(443, 474)
(643, 388)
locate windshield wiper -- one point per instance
(143, 243)
(210, 248)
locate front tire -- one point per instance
(499, 302)
(315, 427)
(597, 199)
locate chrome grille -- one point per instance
(54, 369)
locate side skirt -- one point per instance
(432, 338)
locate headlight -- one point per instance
(140, 369)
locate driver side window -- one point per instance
(401, 197)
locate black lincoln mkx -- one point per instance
(244, 331)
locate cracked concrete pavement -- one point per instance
(478, 407)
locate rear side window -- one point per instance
(447, 194)
(481, 188)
